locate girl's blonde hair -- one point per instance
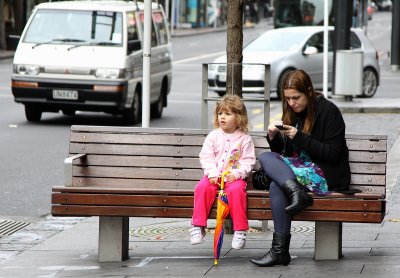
(233, 104)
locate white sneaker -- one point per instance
(197, 235)
(239, 240)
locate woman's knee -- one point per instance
(267, 158)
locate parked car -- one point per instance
(385, 5)
(88, 56)
(290, 48)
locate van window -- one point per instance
(132, 27)
(153, 31)
(70, 27)
(160, 27)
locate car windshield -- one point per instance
(276, 41)
(75, 27)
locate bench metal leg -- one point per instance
(328, 240)
(113, 238)
(264, 225)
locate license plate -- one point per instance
(65, 94)
(221, 78)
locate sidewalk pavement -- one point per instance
(67, 247)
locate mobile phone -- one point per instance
(280, 126)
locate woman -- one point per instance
(308, 153)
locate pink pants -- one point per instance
(205, 194)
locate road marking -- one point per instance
(198, 57)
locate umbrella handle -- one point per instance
(223, 179)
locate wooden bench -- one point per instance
(118, 172)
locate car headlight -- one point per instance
(26, 69)
(107, 73)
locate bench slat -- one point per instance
(366, 145)
(367, 168)
(139, 161)
(138, 173)
(185, 174)
(113, 149)
(367, 157)
(137, 139)
(188, 162)
(357, 179)
(131, 183)
(187, 201)
(165, 212)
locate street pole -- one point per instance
(395, 51)
(343, 22)
(146, 64)
(325, 63)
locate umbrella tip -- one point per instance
(215, 262)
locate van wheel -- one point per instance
(156, 109)
(32, 113)
(132, 115)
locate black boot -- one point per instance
(278, 254)
(299, 199)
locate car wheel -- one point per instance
(132, 115)
(280, 81)
(32, 113)
(156, 109)
(370, 83)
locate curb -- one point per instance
(6, 55)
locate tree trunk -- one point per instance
(19, 23)
(3, 44)
(234, 47)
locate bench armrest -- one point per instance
(68, 168)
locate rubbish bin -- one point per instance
(349, 73)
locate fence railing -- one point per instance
(214, 74)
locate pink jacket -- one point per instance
(227, 152)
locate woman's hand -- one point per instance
(273, 130)
(289, 131)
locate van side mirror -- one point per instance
(310, 50)
(12, 41)
(134, 45)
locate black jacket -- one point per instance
(326, 145)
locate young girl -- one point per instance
(227, 148)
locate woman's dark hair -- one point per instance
(300, 81)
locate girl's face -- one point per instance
(295, 99)
(227, 121)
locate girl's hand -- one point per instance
(230, 177)
(213, 180)
(289, 131)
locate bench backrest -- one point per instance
(162, 159)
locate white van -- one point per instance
(87, 56)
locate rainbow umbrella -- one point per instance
(222, 213)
